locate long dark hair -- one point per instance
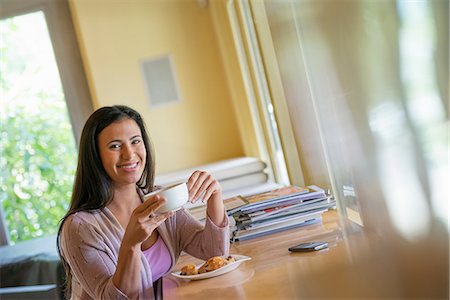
(92, 188)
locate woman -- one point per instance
(110, 242)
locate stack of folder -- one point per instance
(276, 210)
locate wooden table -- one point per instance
(272, 273)
(357, 265)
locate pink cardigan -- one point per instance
(90, 244)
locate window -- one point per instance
(367, 95)
(270, 142)
(38, 134)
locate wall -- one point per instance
(115, 36)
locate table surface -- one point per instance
(359, 264)
(273, 271)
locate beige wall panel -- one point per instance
(117, 35)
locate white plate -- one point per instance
(225, 269)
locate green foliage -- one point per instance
(38, 161)
(37, 145)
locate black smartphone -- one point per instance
(306, 247)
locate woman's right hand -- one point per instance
(141, 225)
(143, 221)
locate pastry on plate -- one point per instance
(189, 269)
(212, 264)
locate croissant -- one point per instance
(212, 264)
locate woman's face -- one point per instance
(122, 151)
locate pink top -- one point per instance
(158, 258)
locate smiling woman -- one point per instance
(113, 244)
(122, 151)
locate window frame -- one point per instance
(265, 100)
(68, 59)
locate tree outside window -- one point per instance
(37, 145)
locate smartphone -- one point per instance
(306, 247)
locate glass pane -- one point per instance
(38, 151)
(373, 72)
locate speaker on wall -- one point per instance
(160, 82)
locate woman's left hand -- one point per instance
(202, 183)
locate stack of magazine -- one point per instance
(276, 210)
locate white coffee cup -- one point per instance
(176, 194)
